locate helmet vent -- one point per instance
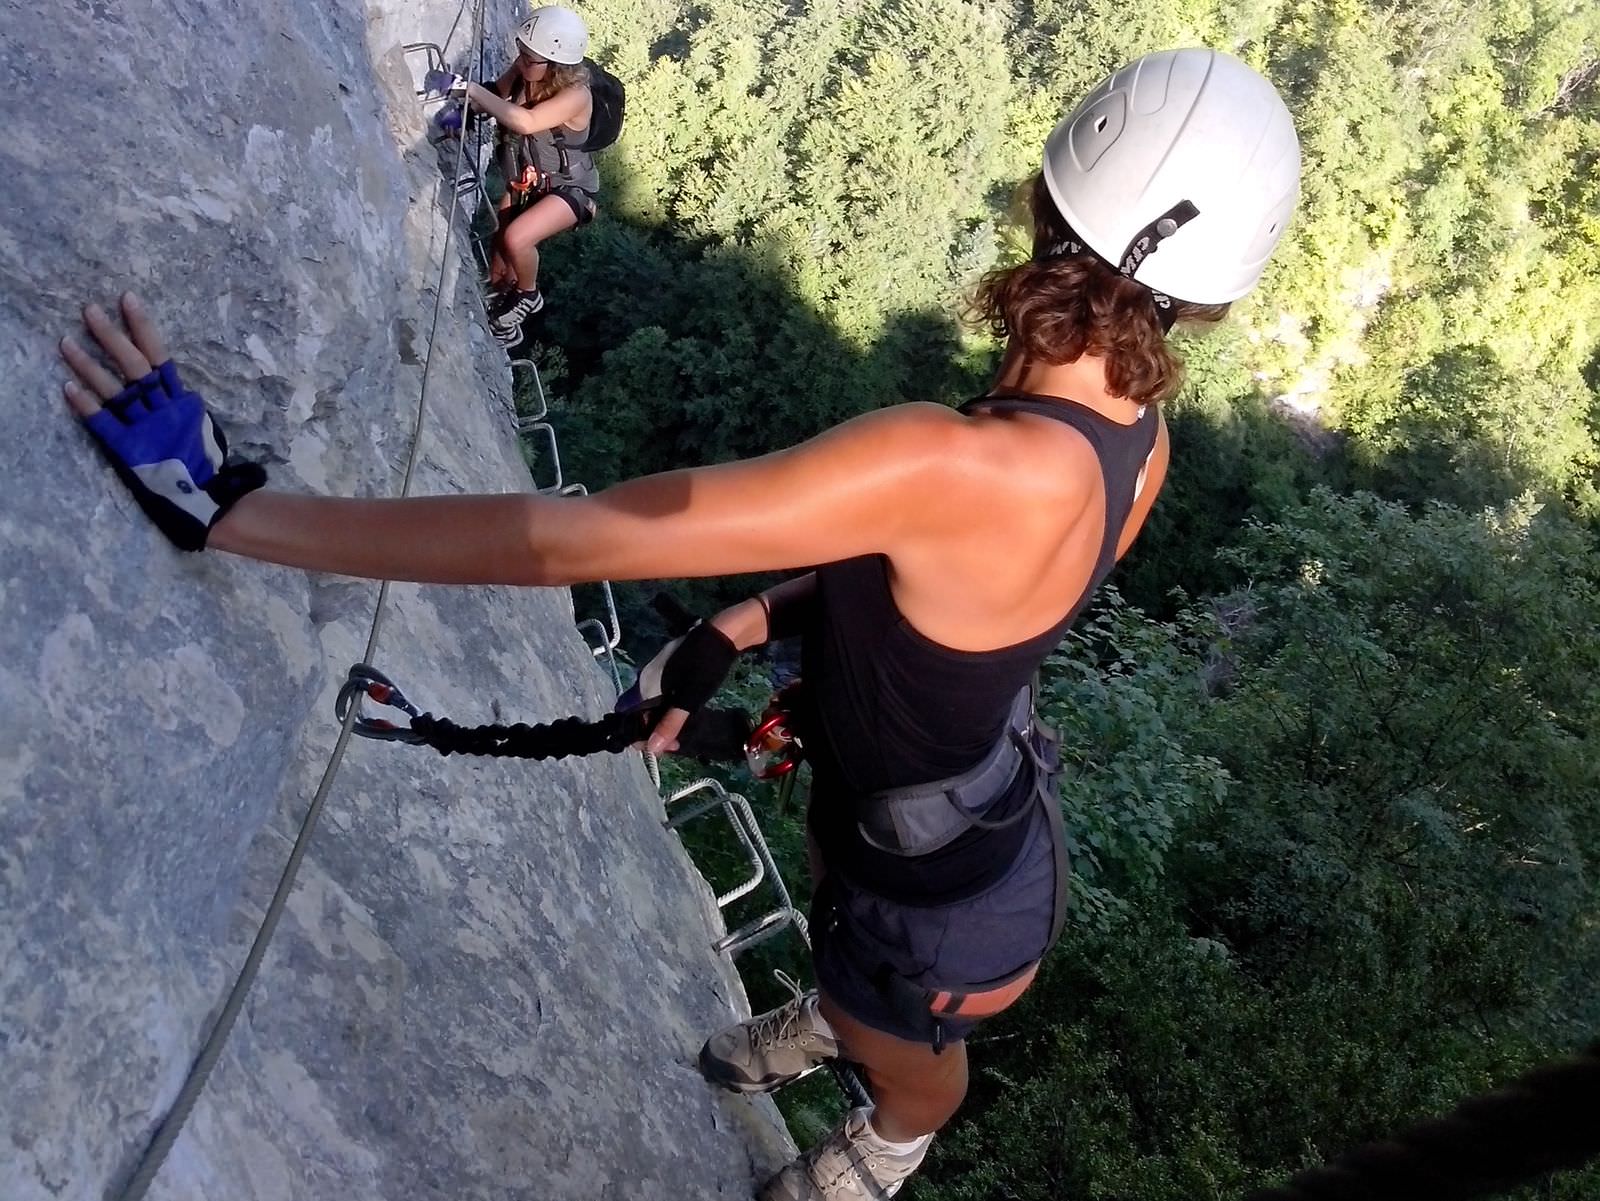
(1100, 123)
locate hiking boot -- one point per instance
(770, 1050)
(852, 1162)
(517, 307)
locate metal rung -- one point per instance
(758, 931)
(528, 365)
(528, 427)
(603, 651)
(612, 638)
(434, 53)
(462, 196)
(743, 820)
(435, 63)
(721, 797)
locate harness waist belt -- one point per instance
(922, 818)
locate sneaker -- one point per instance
(519, 345)
(517, 308)
(770, 1050)
(498, 301)
(852, 1162)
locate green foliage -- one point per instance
(1117, 696)
(1410, 733)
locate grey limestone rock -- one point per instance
(492, 977)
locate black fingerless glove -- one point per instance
(686, 673)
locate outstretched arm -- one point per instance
(869, 485)
(843, 493)
(563, 108)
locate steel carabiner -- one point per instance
(367, 682)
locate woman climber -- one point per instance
(956, 546)
(543, 106)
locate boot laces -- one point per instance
(783, 1023)
(845, 1163)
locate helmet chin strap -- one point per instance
(1142, 245)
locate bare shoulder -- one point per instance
(1034, 455)
(909, 435)
(955, 471)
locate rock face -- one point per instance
(492, 977)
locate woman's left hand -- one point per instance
(156, 434)
(686, 674)
(446, 83)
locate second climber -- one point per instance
(544, 106)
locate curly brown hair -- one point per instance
(1061, 308)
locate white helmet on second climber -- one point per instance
(1181, 170)
(554, 33)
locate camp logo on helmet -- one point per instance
(1148, 240)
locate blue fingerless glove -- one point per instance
(445, 83)
(172, 456)
(447, 121)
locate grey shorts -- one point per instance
(859, 939)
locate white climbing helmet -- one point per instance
(1182, 169)
(555, 33)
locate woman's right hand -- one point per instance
(156, 434)
(500, 273)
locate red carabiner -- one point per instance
(772, 749)
(528, 182)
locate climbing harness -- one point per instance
(923, 818)
(919, 820)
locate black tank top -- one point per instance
(886, 707)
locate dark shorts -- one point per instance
(858, 938)
(580, 202)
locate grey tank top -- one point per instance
(552, 151)
(567, 167)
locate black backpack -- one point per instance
(608, 98)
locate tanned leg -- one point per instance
(916, 1091)
(520, 245)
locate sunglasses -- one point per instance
(530, 58)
